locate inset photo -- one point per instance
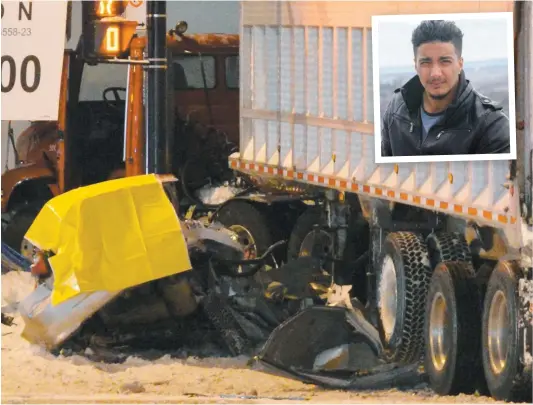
(443, 87)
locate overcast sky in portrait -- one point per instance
(482, 40)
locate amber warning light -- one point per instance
(113, 37)
(112, 40)
(106, 33)
(109, 8)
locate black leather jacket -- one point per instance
(472, 124)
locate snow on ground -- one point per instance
(15, 286)
(32, 375)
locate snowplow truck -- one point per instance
(447, 281)
(100, 133)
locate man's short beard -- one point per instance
(439, 96)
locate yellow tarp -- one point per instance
(110, 236)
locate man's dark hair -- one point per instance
(437, 31)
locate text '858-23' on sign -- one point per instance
(33, 44)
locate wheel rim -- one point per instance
(246, 240)
(498, 332)
(316, 243)
(438, 343)
(388, 297)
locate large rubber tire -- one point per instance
(18, 225)
(448, 247)
(241, 214)
(403, 340)
(452, 329)
(505, 375)
(303, 227)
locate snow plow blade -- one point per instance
(333, 347)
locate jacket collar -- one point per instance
(413, 90)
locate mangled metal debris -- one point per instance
(212, 294)
(305, 348)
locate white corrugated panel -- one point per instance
(341, 82)
(356, 91)
(310, 145)
(299, 70)
(311, 105)
(311, 65)
(325, 49)
(257, 58)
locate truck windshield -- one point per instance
(97, 78)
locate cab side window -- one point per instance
(232, 72)
(188, 72)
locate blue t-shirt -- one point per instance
(428, 120)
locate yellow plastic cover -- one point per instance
(110, 236)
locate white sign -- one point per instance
(136, 11)
(33, 42)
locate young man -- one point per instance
(438, 112)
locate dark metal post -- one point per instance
(156, 131)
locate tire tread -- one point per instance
(417, 275)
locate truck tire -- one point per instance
(402, 281)
(301, 239)
(448, 247)
(18, 225)
(502, 337)
(250, 225)
(452, 329)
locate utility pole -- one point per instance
(156, 71)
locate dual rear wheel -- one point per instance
(432, 307)
(472, 335)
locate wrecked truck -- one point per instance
(117, 268)
(445, 246)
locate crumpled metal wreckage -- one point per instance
(121, 266)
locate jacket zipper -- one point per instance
(438, 137)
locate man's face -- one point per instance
(438, 68)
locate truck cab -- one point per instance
(91, 140)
